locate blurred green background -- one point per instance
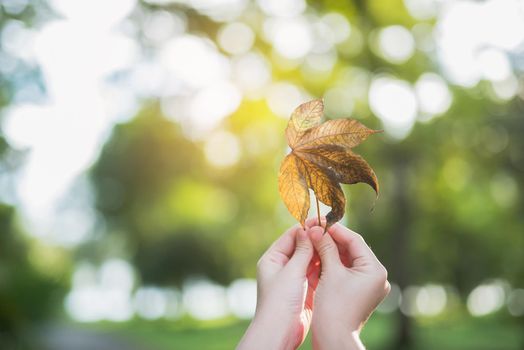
(140, 143)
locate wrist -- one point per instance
(329, 336)
(268, 333)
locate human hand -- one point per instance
(284, 298)
(352, 283)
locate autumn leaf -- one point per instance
(321, 159)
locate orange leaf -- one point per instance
(321, 159)
(304, 117)
(293, 188)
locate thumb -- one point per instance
(303, 252)
(326, 247)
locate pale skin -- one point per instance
(327, 283)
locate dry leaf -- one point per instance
(321, 159)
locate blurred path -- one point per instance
(63, 337)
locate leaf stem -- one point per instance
(318, 211)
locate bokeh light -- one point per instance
(139, 151)
(394, 102)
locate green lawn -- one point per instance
(459, 332)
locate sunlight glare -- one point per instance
(222, 149)
(394, 102)
(205, 300)
(431, 300)
(338, 24)
(486, 299)
(284, 97)
(210, 105)
(291, 38)
(282, 8)
(494, 64)
(242, 298)
(104, 13)
(251, 73)
(160, 26)
(433, 95)
(194, 61)
(396, 44)
(150, 303)
(236, 38)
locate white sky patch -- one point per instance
(236, 38)
(65, 133)
(433, 95)
(14, 7)
(421, 9)
(282, 8)
(218, 10)
(103, 13)
(251, 73)
(209, 106)
(291, 37)
(338, 25)
(160, 26)
(464, 28)
(194, 61)
(396, 44)
(494, 64)
(18, 40)
(394, 102)
(283, 98)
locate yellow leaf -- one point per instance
(304, 117)
(321, 159)
(347, 133)
(293, 188)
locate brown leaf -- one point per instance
(320, 159)
(293, 187)
(346, 133)
(323, 182)
(350, 168)
(304, 117)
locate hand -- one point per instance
(352, 283)
(284, 298)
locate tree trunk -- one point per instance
(400, 247)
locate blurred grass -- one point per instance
(456, 332)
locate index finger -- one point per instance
(285, 244)
(359, 252)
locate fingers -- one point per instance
(314, 222)
(313, 271)
(357, 249)
(326, 247)
(285, 244)
(303, 252)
